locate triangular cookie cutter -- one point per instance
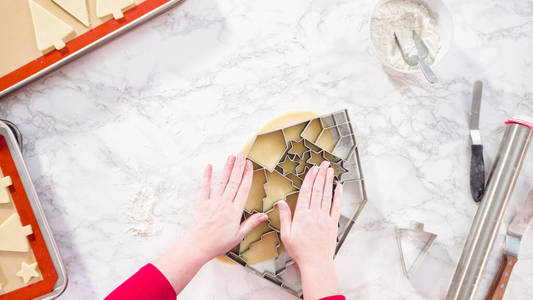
(416, 232)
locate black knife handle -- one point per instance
(477, 173)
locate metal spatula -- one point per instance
(414, 51)
(515, 231)
(477, 163)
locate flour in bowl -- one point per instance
(403, 15)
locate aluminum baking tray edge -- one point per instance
(51, 245)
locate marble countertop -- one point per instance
(129, 127)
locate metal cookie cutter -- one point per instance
(292, 150)
(416, 234)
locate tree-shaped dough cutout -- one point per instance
(13, 235)
(50, 31)
(76, 8)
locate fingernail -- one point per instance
(281, 201)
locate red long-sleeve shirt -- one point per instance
(149, 283)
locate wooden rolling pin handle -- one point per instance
(502, 279)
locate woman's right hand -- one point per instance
(310, 237)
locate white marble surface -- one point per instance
(134, 122)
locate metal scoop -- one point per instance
(414, 51)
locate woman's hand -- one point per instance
(311, 236)
(216, 226)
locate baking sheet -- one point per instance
(21, 61)
(53, 273)
(17, 35)
(10, 261)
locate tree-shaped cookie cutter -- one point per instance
(416, 232)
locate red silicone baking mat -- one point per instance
(37, 243)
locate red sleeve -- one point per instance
(148, 283)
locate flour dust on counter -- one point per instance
(140, 208)
(141, 219)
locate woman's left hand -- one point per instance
(216, 226)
